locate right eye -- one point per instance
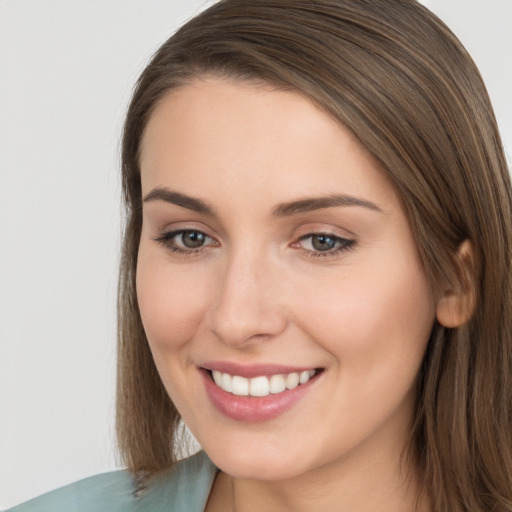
(185, 240)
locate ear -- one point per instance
(457, 304)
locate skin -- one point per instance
(259, 291)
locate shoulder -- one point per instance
(185, 487)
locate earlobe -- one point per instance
(457, 304)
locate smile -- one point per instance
(255, 393)
(262, 385)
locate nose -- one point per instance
(248, 305)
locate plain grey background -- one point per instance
(66, 72)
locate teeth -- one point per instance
(304, 377)
(277, 384)
(227, 382)
(240, 386)
(217, 377)
(292, 380)
(260, 386)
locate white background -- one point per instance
(66, 71)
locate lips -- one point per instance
(257, 392)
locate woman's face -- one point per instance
(276, 256)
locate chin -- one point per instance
(255, 462)
(260, 470)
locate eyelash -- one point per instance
(341, 244)
(166, 239)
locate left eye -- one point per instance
(325, 243)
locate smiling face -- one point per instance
(274, 250)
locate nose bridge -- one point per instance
(247, 302)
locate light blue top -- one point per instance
(184, 488)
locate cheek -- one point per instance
(171, 302)
(375, 324)
(379, 312)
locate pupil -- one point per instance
(192, 239)
(322, 242)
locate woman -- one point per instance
(316, 270)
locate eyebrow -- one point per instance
(169, 196)
(282, 210)
(319, 203)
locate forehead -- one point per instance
(263, 140)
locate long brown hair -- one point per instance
(398, 78)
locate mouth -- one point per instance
(261, 393)
(263, 385)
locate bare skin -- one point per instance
(362, 490)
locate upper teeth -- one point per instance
(260, 386)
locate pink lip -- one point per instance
(254, 409)
(253, 370)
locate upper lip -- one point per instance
(253, 370)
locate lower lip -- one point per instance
(253, 409)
